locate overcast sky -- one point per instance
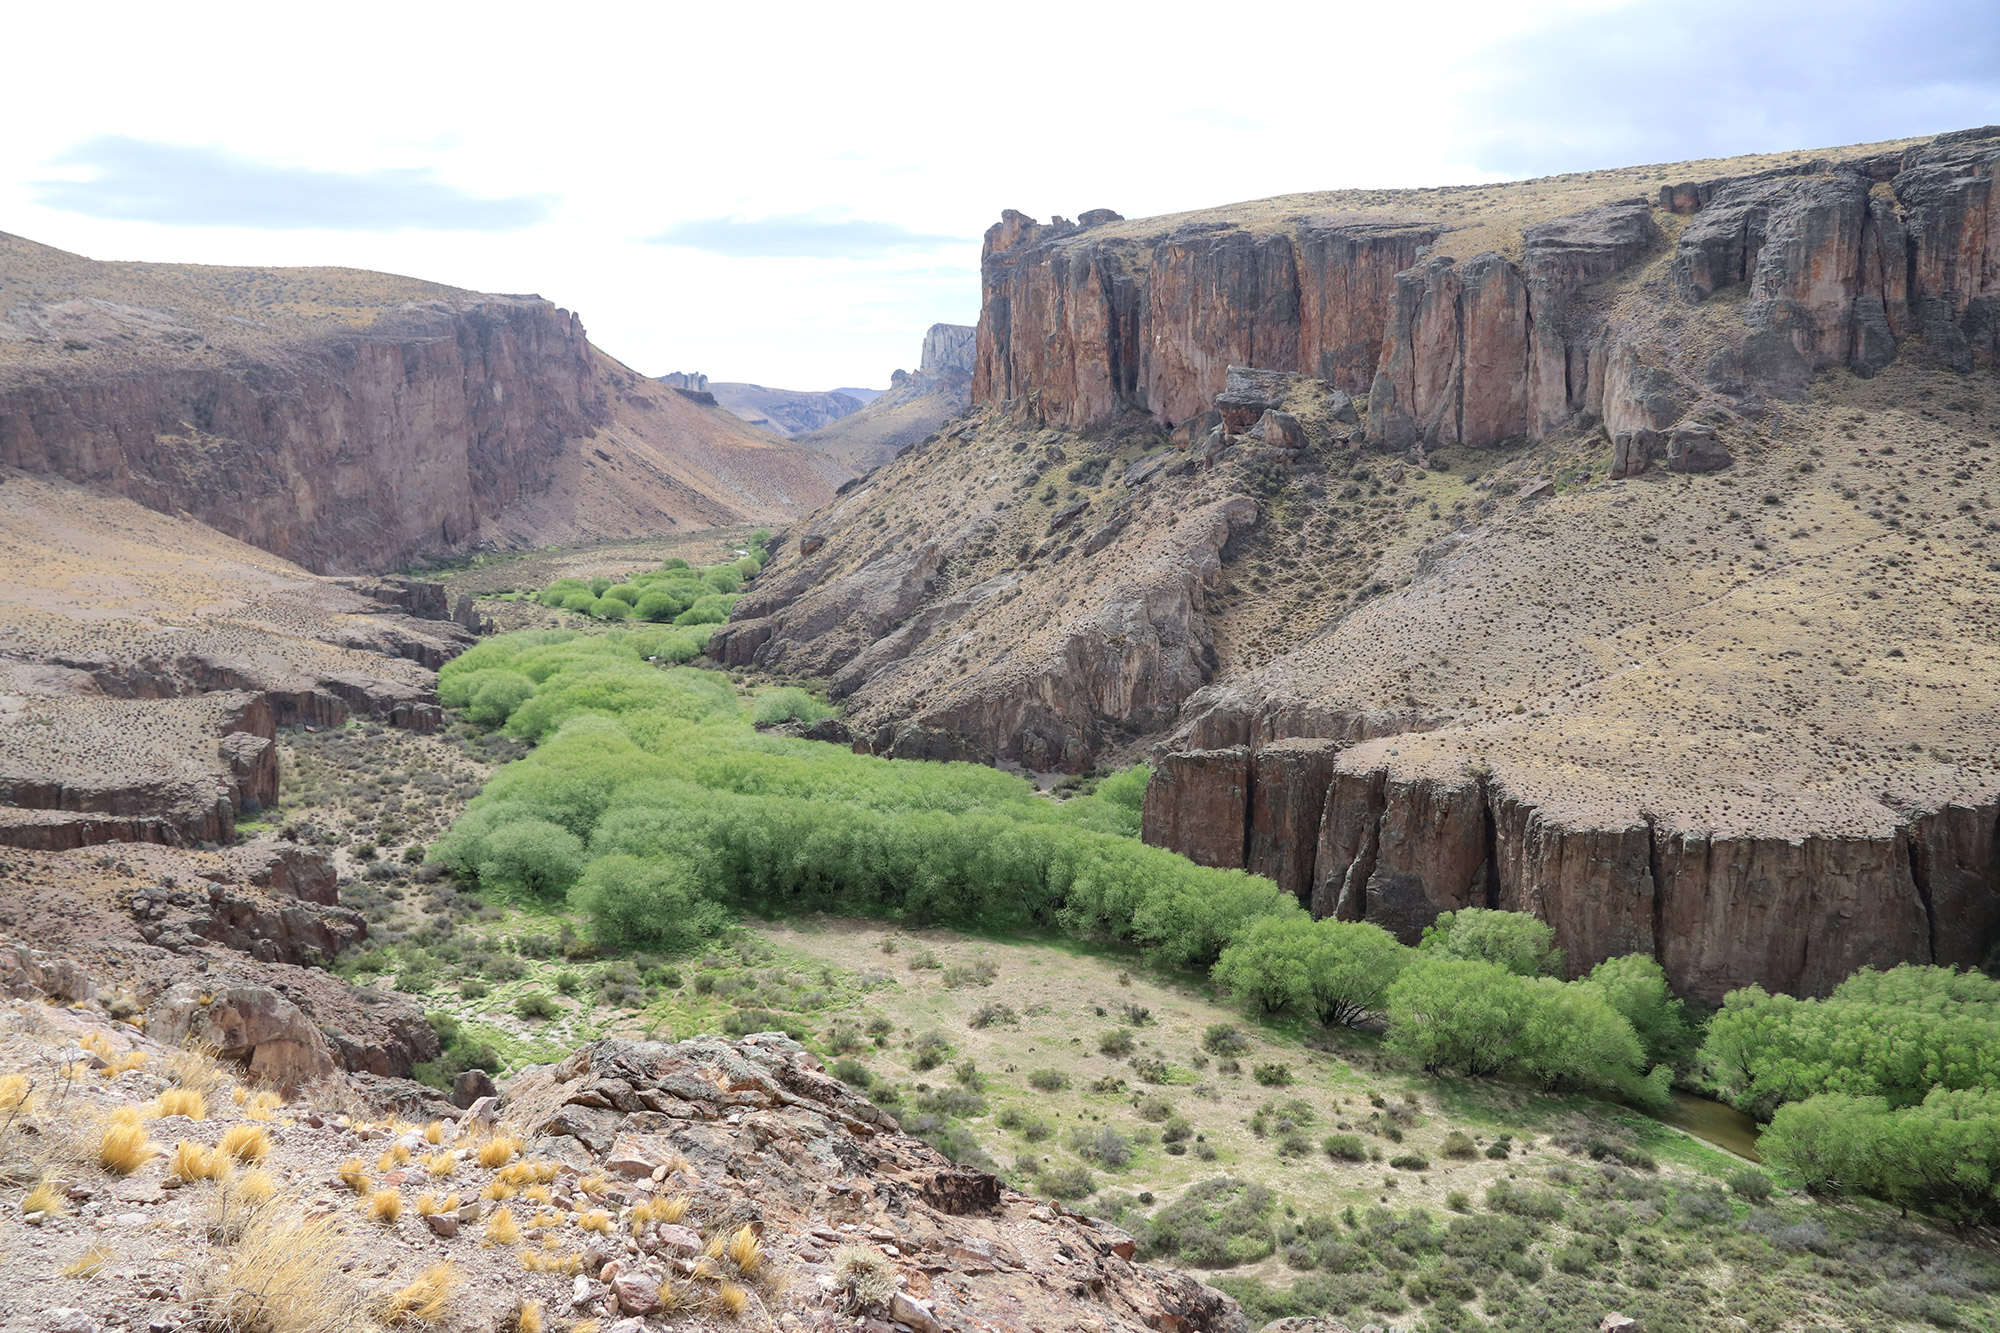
(792, 193)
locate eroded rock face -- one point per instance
(756, 1132)
(251, 1024)
(357, 453)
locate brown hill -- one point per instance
(916, 405)
(1647, 588)
(356, 421)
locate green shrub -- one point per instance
(625, 592)
(929, 1051)
(1410, 1161)
(536, 1006)
(1048, 1080)
(787, 704)
(1215, 1223)
(1273, 1075)
(1116, 1043)
(1224, 1039)
(1523, 944)
(1749, 1184)
(1066, 1183)
(651, 902)
(1459, 1145)
(1345, 1147)
(852, 1073)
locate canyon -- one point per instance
(356, 422)
(1613, 547)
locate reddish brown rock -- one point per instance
(1953, 857)
(1189, 802)
(1288, 782)
(1593, 885)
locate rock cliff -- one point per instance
(346, 421)
(1613, 547)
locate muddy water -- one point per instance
(1713, 1122)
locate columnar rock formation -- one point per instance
(1841, 259)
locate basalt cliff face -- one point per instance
(1613, 547)
(350, 422)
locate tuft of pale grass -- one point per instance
(546, 1218)
(246, 1143)
(538, 1194)
(354, 1175)
(45, 1199)
(385, 1206)
(434, 1133)
(496, 1190)
(596, 1220)
(181, 1101)
(127, 1115)
(502, 1228)
(498, 1151)
(528, 1319)
(441, 1164)
(239, 1095)
(594, 1184)
(282, 1275)
(745, 1251)
(88, 1264)
(545, 1172)
(424, 1299)
(123, 1064)
(191, 1162)
(198, 1068)
(257, 1187)
(97, 1044)
(674, 1296)
(123, 1149)
(732, 1300)
(14, 1090)
(399, 1153)
(517, 1174)
(672, 1208)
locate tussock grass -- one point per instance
(282, 1275)
(745, 1251)
(496, 1190)
(434, 1133)
(198, 1068)
(246, 1143)
(45, 1198)
(88, 1264)
(596, 1220)
(385, 1206)
(441, 1164)
(191, 1162)
(498, 1151)
(354, 1175)
(502, 1228)
(123, 1149)
(423, 1300)
(732, 1300)
(181, 1101)
(14, 1090)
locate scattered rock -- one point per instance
(470, 1087)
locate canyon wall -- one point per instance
(354, 452)
(1361, 838)
(1838, 263)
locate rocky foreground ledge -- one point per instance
(637, 1185)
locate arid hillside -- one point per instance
(354, 422)
(915, 405)
(1613, 547)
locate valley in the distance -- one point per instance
(1421, 759)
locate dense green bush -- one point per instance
(1523, 944)
(642, 763)
(674, 591)
(1214, 1224)
(787, 704)
(1943, 1154)
(1338, 971)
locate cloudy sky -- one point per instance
(792, 193)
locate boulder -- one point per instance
(468, 1088)
(1693, 446)
(1340, 407)
(1280, 430)
(252, 1025)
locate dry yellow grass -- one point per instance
(424, 1299)
(191, 1162)
(502, 1228)
(282, 1275)
(123, 1149)
(354, 1175)
(673, 1296)
(732, 1300)
(181, 1101)
(246, 1143)
(14, 1090)
(594, 1184)
(385, 1206)
(441, 1164)
(537, 1194)
(546, 1218)
(96, 1043)
(745, 1251)
(497, 1190)
(88, 1264)
(197, 1068)
(672, 1208)
(45, 1199)
(516, 1174)
(430, 1204)
(256, 1187)
(434, 1133)
(498, 1151)
(123, 1064)
(528, 1319)
(596, 1220)
(545, 1172)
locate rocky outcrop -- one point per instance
(916, 407)
(252, 1025)
(1397, 846)
(756, 1132)
(296, 918)
(1086, 321)
(354, 451)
